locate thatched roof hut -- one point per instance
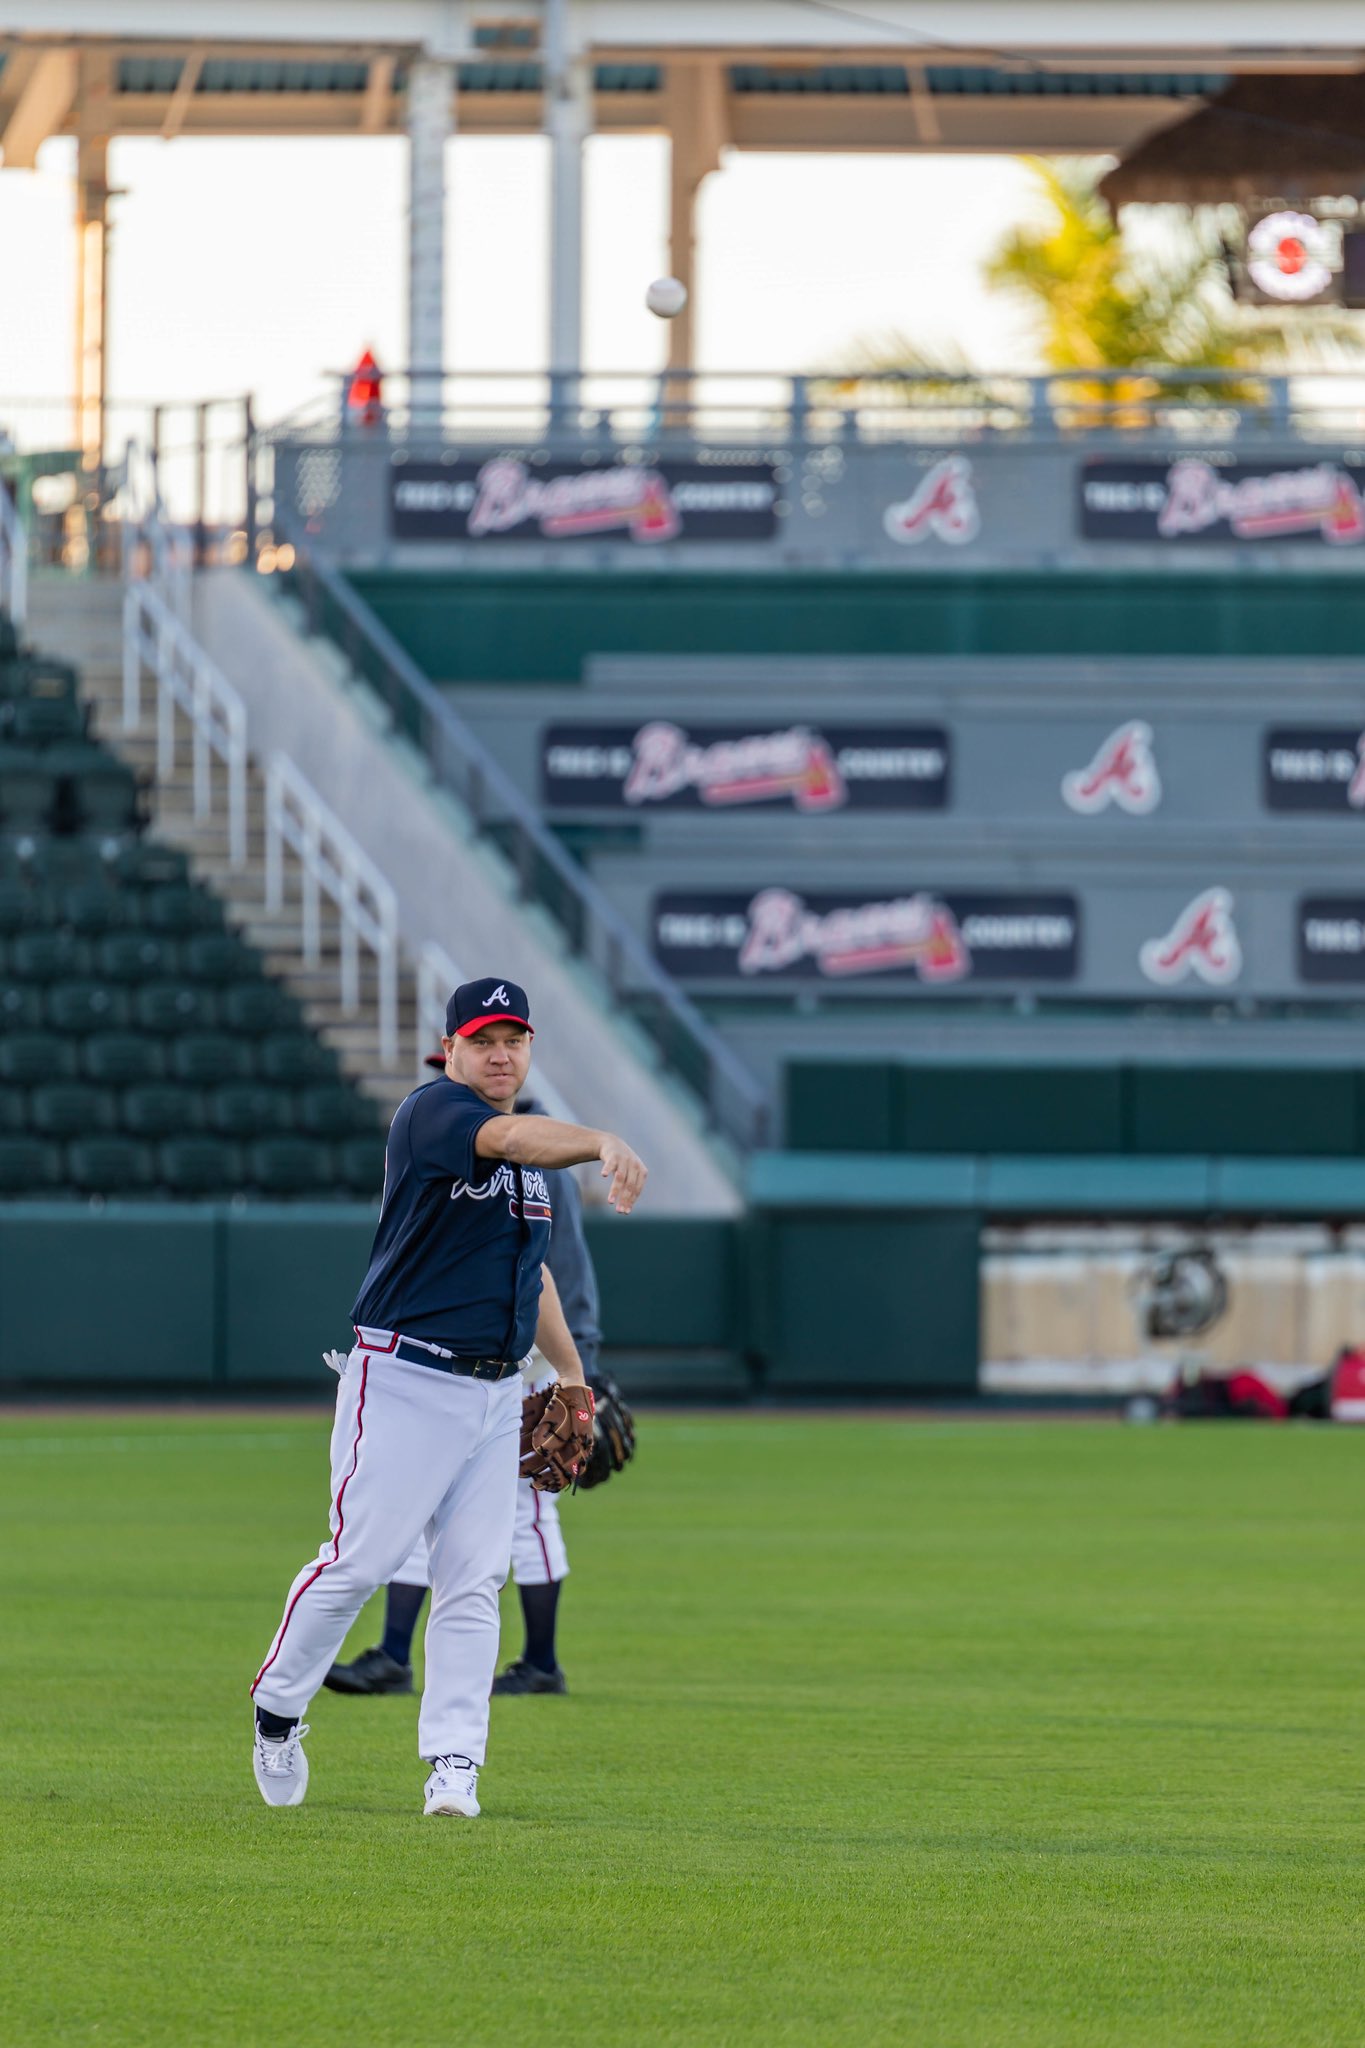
(1297, 135)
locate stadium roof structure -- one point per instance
(1285, 138)
(1010, 76)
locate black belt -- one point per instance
(458, 1362)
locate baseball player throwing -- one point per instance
(429, 1432)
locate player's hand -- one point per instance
(626, 1173)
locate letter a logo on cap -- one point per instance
(499, 995)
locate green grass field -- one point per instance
(881, 1731)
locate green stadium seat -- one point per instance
(171, 1006)
(28, 788)
(148, 864)
(70, 1109)
(93, 907)
(291, 1166)
(257, 1007)
(293, 1058)
(334, 1112)
(28, 1167)
(97, 792)
(246, 1109)
(361, 1165)
(181, 908)
(48, 956)
(200, 1166)
(82, 1006)
(21, 1009)
(13, 1110)
(67, 863)
(36, 721)
(136, 956)
(32, 1056)
(110, 1166)
(207, 1059)
(37, 675)
(20, 906)
(161, 1110)
(219, 957)
(9, 638)
(123, 1058)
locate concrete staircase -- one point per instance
(80, 620)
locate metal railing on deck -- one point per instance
(155, 643)
(734, 1101)
(333, 865)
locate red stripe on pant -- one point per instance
(535, 1524)
(336, 1540)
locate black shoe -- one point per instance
(373, 1671)
(524, 1677)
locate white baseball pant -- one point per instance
(538, 1552)
(416, 1454)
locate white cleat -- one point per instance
(281, 1767)
(453, 1787)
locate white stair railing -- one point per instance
(331, 864)
(437, 977)
(155, 643)
(13, 561)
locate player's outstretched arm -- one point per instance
(554, 1340)
(545, 1141)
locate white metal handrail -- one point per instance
(333, 865)
(437, 975)
(13, 561)
(156, 643)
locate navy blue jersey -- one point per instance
(570, 1260)
(461, 1240)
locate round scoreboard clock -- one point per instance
(1289, 257)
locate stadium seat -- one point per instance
(206, 1059)
(32, 1056)
(248, 1110)
(36, 675)
(361, 1164)
(37, 720)
(70, 1109)
(161, 1110)
(200, 1166)
(21, 1009)
(181, 908)
(134, 956)
(13, 1110)
(292, 1058)
(93, 907)
(66, 863)
(110, 1166)
(27, 789)
(171, 1006)
(19, 906)
(28, 1167)
(219, 957)
(81, 1006)
(257, 1007)
(291, 1166)
(123, 1058)
(334, 1112)
(97, 793)
(9, 638)
(150, 864)
(48, 956)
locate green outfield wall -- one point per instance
(541, 626)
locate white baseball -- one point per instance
(666, 297)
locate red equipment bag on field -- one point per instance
(1243, 1395)
(1347, 1403)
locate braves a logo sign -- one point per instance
(503, 1181)
(942, 503)
(795, 763)
(1202, 942)
(1123, 772)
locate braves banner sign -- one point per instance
(507, 499)
(1194, 500)
(1332, 939)
(943, 503)
(663, 765)
(1314, 768)
(1201, 945)
(934, 939)
(1123, 773)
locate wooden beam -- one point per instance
(378, 96)
(42, 108)
(182, 99)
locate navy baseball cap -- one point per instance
(476, 1003)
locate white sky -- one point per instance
(249, 265)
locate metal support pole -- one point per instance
(431, 99)
(249, 520)
(568, 123)
(201, 482)
(92, 263)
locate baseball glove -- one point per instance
(556, 1436)
(613, 1433)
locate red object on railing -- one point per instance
(364, 398)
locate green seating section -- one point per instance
(143, 1050)
(1122, 1111)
